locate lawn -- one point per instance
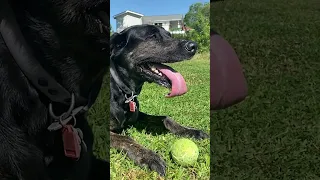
(191, 109)
(274, 133)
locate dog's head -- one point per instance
(143, 49)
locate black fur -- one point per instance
(130, 50)
(67, 42)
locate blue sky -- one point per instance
(150, 7)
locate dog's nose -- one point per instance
(191, 46)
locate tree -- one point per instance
(198, 18)
(111, 30)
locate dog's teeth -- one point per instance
(156, 71)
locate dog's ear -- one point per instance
(117, 42)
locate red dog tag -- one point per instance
(132, 106)
(71, 141)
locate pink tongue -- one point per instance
(179, 86)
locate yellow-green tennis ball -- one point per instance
(184, 152)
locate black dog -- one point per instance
(136, 57)
(69, 39)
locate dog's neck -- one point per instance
(133, 85)
(70, 67)
(124, 81)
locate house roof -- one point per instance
(127, 12)
(146, 19)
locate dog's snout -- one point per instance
(191, 46)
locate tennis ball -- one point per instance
(184, 152)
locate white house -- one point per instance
(172, 23)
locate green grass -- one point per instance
(98, 117)
(274, 133)
(191, 109)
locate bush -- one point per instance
(198, 19)
(180, 36)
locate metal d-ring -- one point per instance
(128, 99)
(125, 95)
(66, 114)
(61, 119)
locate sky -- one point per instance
(150, 7)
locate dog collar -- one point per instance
(39, 78)
(23, 56)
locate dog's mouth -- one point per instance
(101, 16)
(164, 76)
